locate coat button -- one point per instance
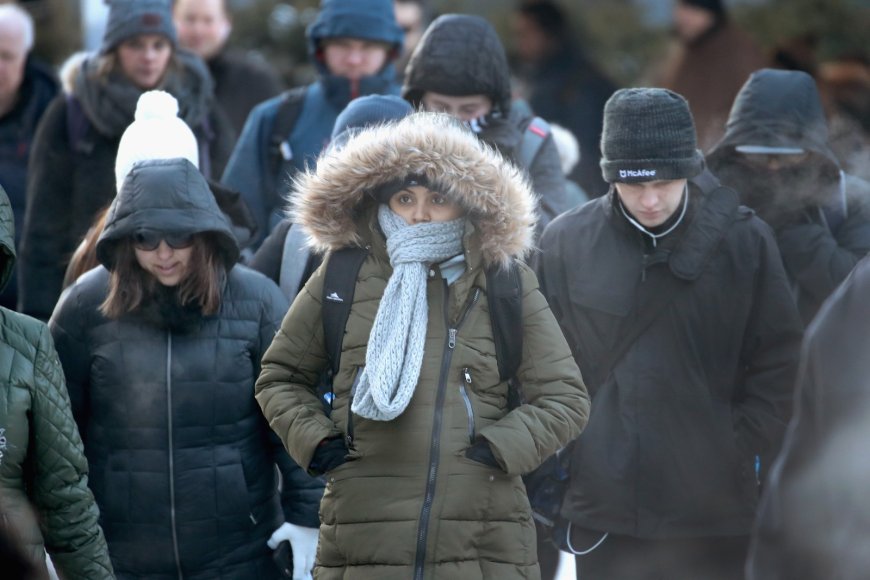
(431, 273)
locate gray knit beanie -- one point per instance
(648, 135)
(128, 18)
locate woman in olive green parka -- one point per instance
(434, 492)
(44, 497)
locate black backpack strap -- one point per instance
(533, 139)
(504, 293)
(288, 113)
(339, 284)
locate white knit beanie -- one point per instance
(155, 133)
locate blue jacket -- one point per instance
(252, 169)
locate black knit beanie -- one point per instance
(128, 18)
(714, 6)
(648, 135)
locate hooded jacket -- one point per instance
(462, 55)
(252, 169)
(676, 424)
(182, 462)
(821, 216)
(72, 171)
(812, 520)
(42, 463)
(17, 130)
(409, 503)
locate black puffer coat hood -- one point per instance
(776, 108)
(459, 55)
(169, 195)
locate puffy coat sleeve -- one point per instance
(300, 493)
(45, 243)
(286, 389)
(819, 260)
(68, 324)
(556, 404)
(69, 515)
(771, 345)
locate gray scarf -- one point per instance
(110, 102)
(395, 348)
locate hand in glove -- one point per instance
(303, 541)
(330, 453)
(481, 451)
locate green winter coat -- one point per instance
(44, 495)
(409, 504)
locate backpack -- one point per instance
(280, 154)
(534, 135)
(504, 295)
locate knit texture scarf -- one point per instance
(395, 348)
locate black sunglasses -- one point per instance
(148, 241)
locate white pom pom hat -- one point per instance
(155, 133)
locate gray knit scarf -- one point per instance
(395, 348)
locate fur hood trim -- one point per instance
(329, 201)
(70, 70)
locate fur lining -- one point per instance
(328, 201)
(70, 70)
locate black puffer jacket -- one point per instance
(462, 55)
(241, 82)
(72, 176)
(820, 215)
(813, 522)
(674, 429)
(182, 460)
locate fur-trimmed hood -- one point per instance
(330, 202)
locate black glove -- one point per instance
(329, 454)
(482, 453)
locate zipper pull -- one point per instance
(451, 338)
(467, 376)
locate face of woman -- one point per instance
(144, 59)
(418, 204)
(168, 260)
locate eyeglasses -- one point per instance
(148, 241)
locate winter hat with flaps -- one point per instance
(367, 111)
(156, 133)
(648, 135)
(165, 195)
(128, 18)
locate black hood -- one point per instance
(459, 55)
(166, 195)
(776, 108)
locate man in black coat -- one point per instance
(813, 518)
(240, 80)
(675, 303)
(26, 89)
(775, 153)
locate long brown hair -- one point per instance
(85, 256)
(130, 286)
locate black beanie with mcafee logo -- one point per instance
(648, 135)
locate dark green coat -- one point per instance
(410, 504)
(44, 495)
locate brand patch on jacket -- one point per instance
(334, 297)
(637, 172)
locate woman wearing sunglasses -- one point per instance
(161, 347)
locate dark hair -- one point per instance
(548, 16)
(130, 286)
